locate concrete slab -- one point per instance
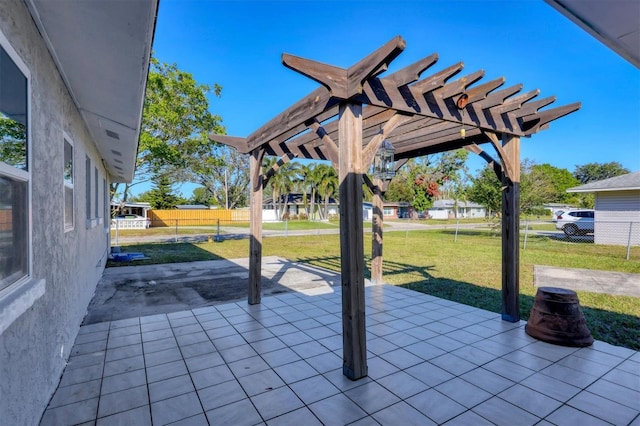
(614, 283)
(133, 291)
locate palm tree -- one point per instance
(282, 184)
(327, 186)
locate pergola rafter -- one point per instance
(419, 116)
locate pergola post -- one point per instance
(376, 232)
(511, 230)
(351, 244)
(255, 226)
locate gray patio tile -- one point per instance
(603, 408)
(301, 416)
(211, 376)
(176, 408)
(453, 364)
(401, 358)
(584, 365)
(464, 336)
(123, 352)
(569, 375)
(399, 324)
(597, 356)
(550, 387)
(150, 336)
(221, 394)
(238, 353)
(246, 327)
(280, 357)
(325, 362)
(153, 318)
(613, 350)
(79, 412)
(228, 341)
(241, 413)
(569, 416)
(481, 331)
(379, 345)
(372, 397)
(271, 321)
(401, 339)
(497, 349)
(257, 335)
(170, 387)
(197, 349)
(87, 348)
(320, 332)
(548, 351)
(82, 374)
(380, 329)
(401, 414)
(292, 316)
(187, 329)
(159, 345)
(86, 360)
(502, 413)
(282, 329)
(159, 324)
(295, 338)
(162, 357)
(309, 349)
(124, 331)
(180, 314)
(123, 381)
(508, 369)
(191, 338)
(123, 400)
(116, 342)
(528, 360)
(247, 366)
(624, 378)
(268, 345)
(378, 367)
(276, 402)
(213, 324)
(403, 384)
(260, 382)
(166, 371)
(314, 389)
(296, 371)
(75, 393)
(425, 350)
(123, 365)
(92, 328)
(201, 362)
(138, 416)
(439, 327)
(124, 323)
(430, 374)
(530, 400)
(337, 410)
(487, 380)
(463, 392)
(91, 337)
(616, 392)
(470, 418)
(339, 380)
(436, 406)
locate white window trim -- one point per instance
(20, 296)
(67, 138)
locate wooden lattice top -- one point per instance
(417, 115)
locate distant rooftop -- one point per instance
(626, 182)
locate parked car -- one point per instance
(576, 222)
(556, 215)
(141, 221)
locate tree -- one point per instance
(203, 196)
(175, 123)
(161, 196)
(485, 190)
(328, 187)
(282, 184)
(598, 171)
(13, 147)
(558, 180)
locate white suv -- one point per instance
(576, 222)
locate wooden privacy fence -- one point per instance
(160, 218)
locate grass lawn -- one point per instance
(467, 271)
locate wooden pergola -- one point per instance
(346, 120)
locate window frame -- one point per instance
(71, 185)
(18, 297)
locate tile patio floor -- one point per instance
(431, 361)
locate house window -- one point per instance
(68, 184)
(87, 167)
(96, 192)
(386, 211)
(14, 169)
(105, 203)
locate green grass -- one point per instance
(467, 271)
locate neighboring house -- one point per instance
(451, 209)
(617, 209)
(395, 209)
(72, 80)
(139, 209)
(192, 207)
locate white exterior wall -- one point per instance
(617, 217)
(35, 345)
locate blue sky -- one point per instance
(238, 45)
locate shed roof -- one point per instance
(630, 181)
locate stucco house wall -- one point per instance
(66, 265)
(617, 218)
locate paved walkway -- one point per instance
(430, 361)
(609, 282)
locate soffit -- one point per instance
(102, 50)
